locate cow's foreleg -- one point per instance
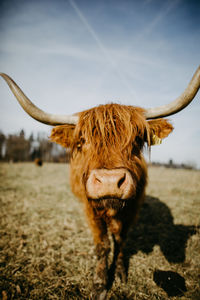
(120, 269)
(101, 271)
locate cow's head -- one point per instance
(106, 148)
(107, 141)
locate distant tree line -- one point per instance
(17, 147)
(171, 164)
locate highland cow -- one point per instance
(108, 171)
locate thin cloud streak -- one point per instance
(102, 48)
(169, 6)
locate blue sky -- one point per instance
(70, 55)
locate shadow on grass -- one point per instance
(156, 227)
(171, 282)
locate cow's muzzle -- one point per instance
(110, 183)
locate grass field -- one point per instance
(46, 249)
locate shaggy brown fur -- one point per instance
(110, 137)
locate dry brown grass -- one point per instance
(47, 251)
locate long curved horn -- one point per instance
(34, 111)
(180, 103)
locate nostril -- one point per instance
(97, 180)
(121, 181)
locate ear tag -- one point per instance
(155, 140)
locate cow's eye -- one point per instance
(80, 143)
(79, 146)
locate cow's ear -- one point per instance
(158, 130)
(63, 135)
